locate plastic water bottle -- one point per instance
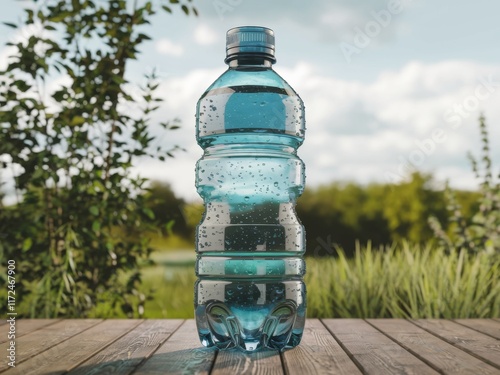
(250, 244)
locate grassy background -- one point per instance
(402, 281)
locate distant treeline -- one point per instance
(342, 213)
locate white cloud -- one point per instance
(332, 21)
(355, 131)
(205, 35)
(167, 47)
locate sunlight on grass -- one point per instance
(404, 282)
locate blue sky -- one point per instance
(386, 83)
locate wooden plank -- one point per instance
(486, 326)
(182, 353)
(236, 362)
(46, 337)
(439, 354)
(374, 352)
(125, 354)
(473, 342)
(65, 356)
(318, 353)
(25, 326)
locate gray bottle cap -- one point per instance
(250, 40)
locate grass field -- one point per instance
(172, 281)
(401, 281)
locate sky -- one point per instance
(388, 85)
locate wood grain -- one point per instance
(373, 351)
(260, 363)
(25, 326)
(486, 326)
(65, 356)
(35, 342)
(330, 346)
(471, 341)
(182, 353)
(126, 353)
(318, 353)
(441, 355)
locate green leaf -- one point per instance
(185, 9)
(27, 243)
(169, 226)
(77, 120)
(167, 9)
(14, 26)
(118, 80)
(149, 213)
(96, 226)
(94, 210)
(21, 85)
(142, 37)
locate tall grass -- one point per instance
(404, 282)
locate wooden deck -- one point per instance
(329, 346)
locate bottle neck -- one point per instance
(250, 61)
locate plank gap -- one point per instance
(283, 366)
(213, 363)
(21, 330)
(375, 352)
(441, 334)
(344, 348)
(38, 341)
(66, 355)
(481, 326)
(182, 353)
(105, 346)
(129, 351)
(159, 346)
(406, 348)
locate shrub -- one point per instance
(482, 231)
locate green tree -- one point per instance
(168, 209)
(80, 220)
(408, 205)
(342, 213)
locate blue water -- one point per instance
(250, 293)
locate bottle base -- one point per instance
(278, 328)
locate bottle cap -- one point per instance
(250, 40)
